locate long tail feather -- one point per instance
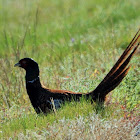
(118, 71)
(115, 82)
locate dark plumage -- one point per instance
(43, 98)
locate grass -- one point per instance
(75, 44)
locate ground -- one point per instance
(75, 44)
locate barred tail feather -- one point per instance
(118, 71)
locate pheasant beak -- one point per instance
(17, 65)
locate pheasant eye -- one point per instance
(23, 64)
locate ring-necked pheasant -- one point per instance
(41, 97)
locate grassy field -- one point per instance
(75, 43)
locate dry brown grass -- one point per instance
(86, 128)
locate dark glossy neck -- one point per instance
(35, 83)
(32, 75)
(32, 85)
(34, 80)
